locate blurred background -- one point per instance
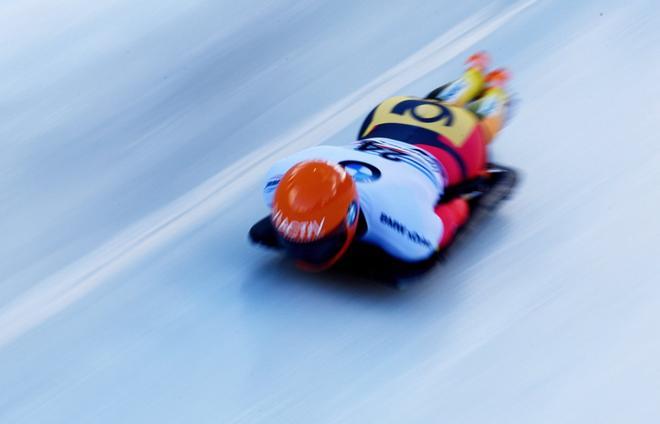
(133, 140)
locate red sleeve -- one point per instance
(453, 215)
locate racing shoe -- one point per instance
(497, 78)
(479, 60)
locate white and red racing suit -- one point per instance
(409, 151)
(399, 186)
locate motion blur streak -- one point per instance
(74, 282)
(122, 304)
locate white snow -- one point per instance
(133, 139)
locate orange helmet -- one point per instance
(315, 213)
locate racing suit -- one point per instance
(409, 150)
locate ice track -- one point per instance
(133, 140)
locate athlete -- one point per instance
(405, 187)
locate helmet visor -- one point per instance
(318, 252)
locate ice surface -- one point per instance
(113, 111)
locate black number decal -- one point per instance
(442, 112)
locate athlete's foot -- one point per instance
(494, 95)
(497, 78)
(478, 61)
(469, 85)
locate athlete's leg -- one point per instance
(492, 105)
(468, 86)
(453, 214)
